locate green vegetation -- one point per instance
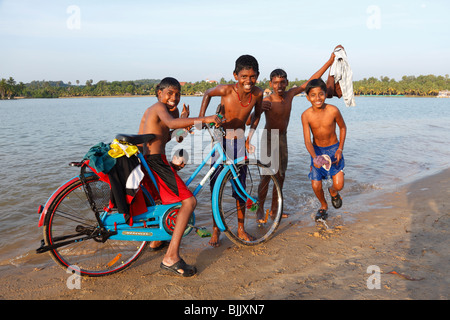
(429, 85)
(409, 86)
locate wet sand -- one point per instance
(406, 239)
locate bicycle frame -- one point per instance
(151, 225)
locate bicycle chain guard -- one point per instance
(169, 219)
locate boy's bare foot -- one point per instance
(261, 217)
(214, 242)
(158, 245)
(283, 215)
(244, 235)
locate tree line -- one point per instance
(428, 85)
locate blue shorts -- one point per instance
(320, 173)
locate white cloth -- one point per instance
(343, 74)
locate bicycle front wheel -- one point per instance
(70, 219)
(250, 223)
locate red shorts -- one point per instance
(171, 188)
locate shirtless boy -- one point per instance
(158, 120)
(277, 108)
(238, 100)
(321, 119)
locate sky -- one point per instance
(199, 40)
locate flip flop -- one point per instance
(188, 271)
(336, 201)
(162, 245)
(321, 214)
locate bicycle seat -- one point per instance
(135, 138)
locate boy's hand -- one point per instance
(185, 111)
(317, 161)
(250, 148)
(214, 119)
(338, 155)
(185, 114)
(333, 56)
(266, 105)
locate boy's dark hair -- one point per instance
(166, 83)
(316, 83)
(278, 73)
(246, 62)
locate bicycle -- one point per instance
(94, 242)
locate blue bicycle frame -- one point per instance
(228, 165)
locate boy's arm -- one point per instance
(177, 123)
(265, 106)
(219, 90)
(319, 73)
(256, 116)
(307, 135)
(342, 134)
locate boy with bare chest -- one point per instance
(237, 101)
(325, 147)
(158, 120)
(277, 109)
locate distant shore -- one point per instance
(152, 95)
(396, 252)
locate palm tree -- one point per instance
(3, 87)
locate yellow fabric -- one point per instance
(120, 149)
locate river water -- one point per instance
(390, 141)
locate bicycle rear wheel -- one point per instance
(259, 220)
(70, 217)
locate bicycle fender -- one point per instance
(44, 211)
(215, 199)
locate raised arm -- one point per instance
(319, 73)
(220, 90)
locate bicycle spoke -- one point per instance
(251, 217)
(92, 254)
(74, 218)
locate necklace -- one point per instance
(249, 101)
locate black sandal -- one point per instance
(188, 271)
(336, 201)
(321, 214)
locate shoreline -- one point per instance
(152, 95)
(406, 237)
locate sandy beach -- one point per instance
(406, 239)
